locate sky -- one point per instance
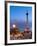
(18, 13)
